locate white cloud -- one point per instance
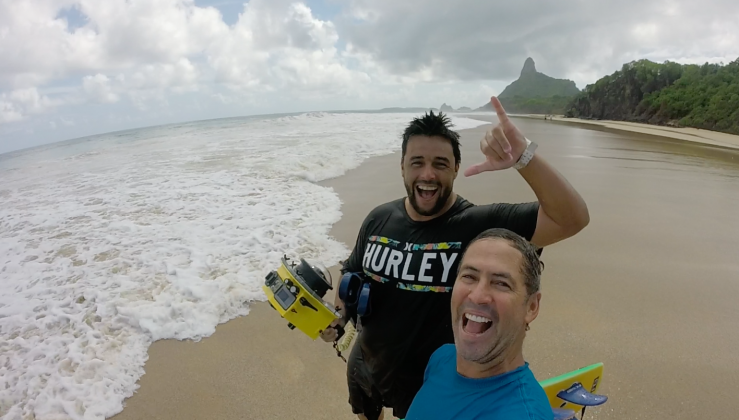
(278, 45)
(153, 61)
(143, 86)
(8, 112)
(98, 89)
(18, 104)
(119, 35)
(180, 76)
(475, 40)
(144, 50)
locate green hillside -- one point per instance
(700, 96)
(536, 93)
(532, 84)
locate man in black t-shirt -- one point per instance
(409, 250)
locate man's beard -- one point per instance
(438, 206)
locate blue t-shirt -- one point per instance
(446, 394)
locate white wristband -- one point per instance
(526, 156)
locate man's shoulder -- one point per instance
(445, 352)
(529, 400)
(385, 209)
(517, 217)
(383, 212)
(441, 357)
(466, 205)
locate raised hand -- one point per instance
(502, 146)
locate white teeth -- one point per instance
(427, 187)
(477, 318)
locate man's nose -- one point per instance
(428, 173)
(480, 294)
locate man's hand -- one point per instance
(502, 146)
(330, 334)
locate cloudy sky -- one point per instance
(70, 68)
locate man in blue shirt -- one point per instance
(484, 375)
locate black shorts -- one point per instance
(365, 398)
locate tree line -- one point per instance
(680, 95)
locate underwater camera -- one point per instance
(296, 291)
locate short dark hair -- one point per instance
(433, 125)
(531, 267)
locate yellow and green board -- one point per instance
(589, 376)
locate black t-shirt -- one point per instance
(414, 266)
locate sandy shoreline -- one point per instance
(694, 135)
(254, 367)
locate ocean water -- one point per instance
(111, 242)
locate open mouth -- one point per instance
(475, 324)
(427, 192)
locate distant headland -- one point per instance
(668, 94)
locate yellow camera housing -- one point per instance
(296, 292)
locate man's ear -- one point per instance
(532, 307)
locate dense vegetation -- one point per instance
(701, 96)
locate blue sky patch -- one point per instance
(230, 9)
(74, 17)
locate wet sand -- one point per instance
(649, 288)
(707, 137)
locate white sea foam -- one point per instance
(111, 243)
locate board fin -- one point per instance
(577, 394)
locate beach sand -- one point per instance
(661, 317)
(695, 135)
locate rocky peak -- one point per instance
(528, 66)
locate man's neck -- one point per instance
(496, 367)
(413, 214)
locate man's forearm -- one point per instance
(557, 198)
